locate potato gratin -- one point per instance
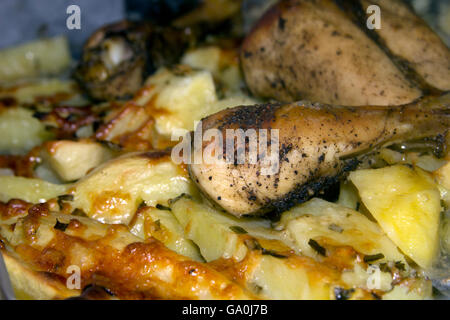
(357, 210)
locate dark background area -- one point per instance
(25, 20)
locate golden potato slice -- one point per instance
(336, 225)
(29, 189)
(113, 192)
(406, 204)
(162, 225)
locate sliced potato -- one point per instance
(71, 160)
(426, 162)
(227, 240)
(32, 59)
(37, 90)
(336, 225)
(28, 189)
(406, 204)
(234, 246)
(163, 226)
(113, 192)
(128, 267)
(218, 234)
(131, 126)
(348, 195)
(170, 100)
(19, 131)
(278, 279)
(33, 285)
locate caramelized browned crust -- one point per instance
(111, 257)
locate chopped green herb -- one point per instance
(141, 205)
(60, 204)
(377, 297)
(317, 247)
(400, 265)
(272, 253)
(256, 288)
(373, 257)
(343, 294)
(62, 198)
(66, 197)
(238, 230)
(60, 226)
(79, 213)
(183, 195)
(161, 207)
(336, 228)
(384, 267)
(111, 145)
(252, 244)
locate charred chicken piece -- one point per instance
(317, 144)
(117, 58)
(322, 50)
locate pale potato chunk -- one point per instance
(179, 100)
(207, 58)
(113, 192)
(169, 105)
(129, 119)
(279, 280)
(27, 189)
(213, 231)
(445, 234)
(427, 162)
(19, 131)
(28, 91)
(442, 176)
(163, 226)
(32, 59)
(336, 225)
(222, 63)
(33, 285)
(348, 195)
(406, 204)
(71, 160)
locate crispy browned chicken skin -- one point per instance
(317, 145)
(321, 50)
(118, 57)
